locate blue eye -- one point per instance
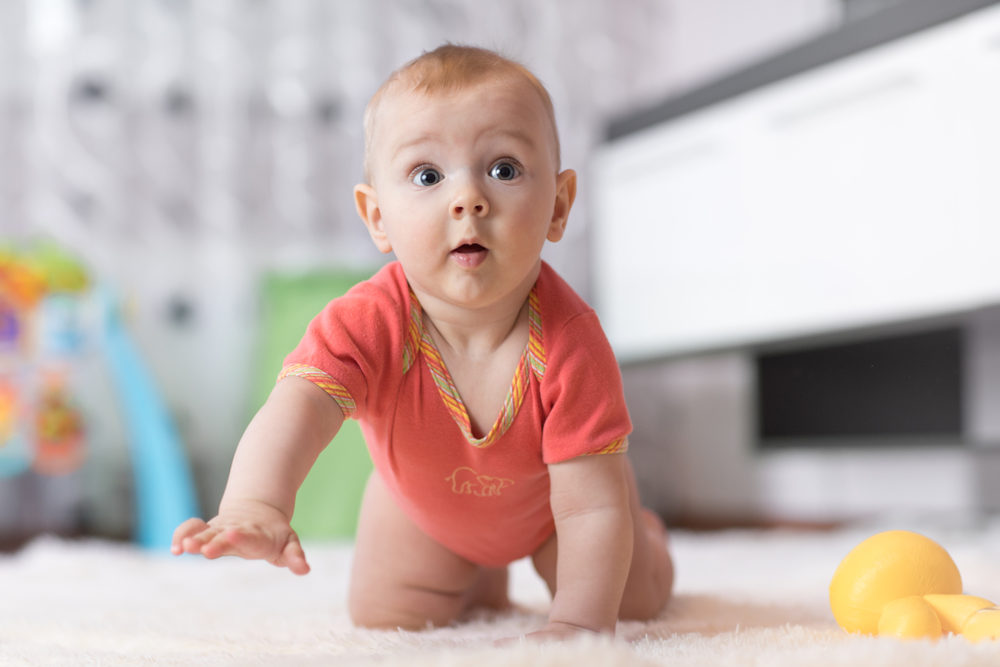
(427, 176)
(504, 171)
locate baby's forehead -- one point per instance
(415, 96)
(419, 91)
(408, 93)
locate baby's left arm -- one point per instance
(590, 503)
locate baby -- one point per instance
(488, 395)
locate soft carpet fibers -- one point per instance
(742, 598)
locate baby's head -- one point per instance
(447, 69)
(462, 177)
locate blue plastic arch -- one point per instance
(164, 488)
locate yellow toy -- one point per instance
(902, 584)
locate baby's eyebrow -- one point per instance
(515, 134)
(416, 141)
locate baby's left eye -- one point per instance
(504, 171)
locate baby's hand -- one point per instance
(249, 530)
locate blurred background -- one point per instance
(181, 170)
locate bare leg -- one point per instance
(489, 591)
(401, 578)
(651, 575)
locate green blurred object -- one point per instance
(62, 270)
(327, 504)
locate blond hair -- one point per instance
(449, 68)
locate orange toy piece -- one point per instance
(59, 430)
(902, 584)
(21, 282)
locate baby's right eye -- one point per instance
(427, 176)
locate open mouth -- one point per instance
(469, 255)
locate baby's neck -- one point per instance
(475, 334)
(481, 352)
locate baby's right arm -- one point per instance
(277, 450)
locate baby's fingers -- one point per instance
(280, 550)
(252, 543)
(211, 541)
(182, 534)
(214, 540)
(293, 557)
(229, 542)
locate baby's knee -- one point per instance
(376, 616)
(651, 600)
(369, 619)
(406, 612)
(663, 572)
(651, 583)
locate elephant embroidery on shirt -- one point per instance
(466, 481)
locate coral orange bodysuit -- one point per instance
(485, 499)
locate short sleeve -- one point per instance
(353, 344)
(582, 393)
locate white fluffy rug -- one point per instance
(742, 598)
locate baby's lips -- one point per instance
(469, 255)
(469, 245)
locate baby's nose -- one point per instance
(478, 208)
(471, 201)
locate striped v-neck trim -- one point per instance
(532, 361)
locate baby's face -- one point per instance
(465, 189)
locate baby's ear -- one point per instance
(565, 194)
(366, 201)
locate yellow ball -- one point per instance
(886, 567)
(909, 618)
